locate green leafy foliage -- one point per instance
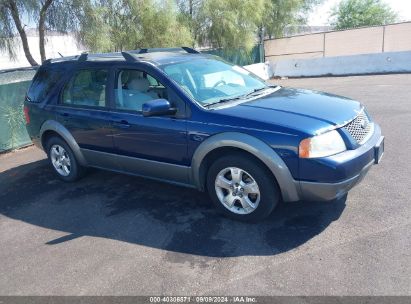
(115, 25)
(188, 15)
(280, 14)
(358, 13)
(8, 28)
(230, 23)
(130, 24)
(60, 15)
(238, 23)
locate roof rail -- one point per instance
(185, 48)
(83, 56)
(61, 59)
(129, 56)
(190, 50)
(47, 61)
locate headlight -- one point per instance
(326, 144)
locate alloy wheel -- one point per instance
(60, 160)
(237, 190)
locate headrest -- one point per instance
(101, 77)
(139, 84)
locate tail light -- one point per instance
(26, 114)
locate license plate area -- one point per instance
(379, 150)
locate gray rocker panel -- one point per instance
(166, 172)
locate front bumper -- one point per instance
(369, 153)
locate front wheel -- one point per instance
(242, 188)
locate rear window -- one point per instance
(42, 84)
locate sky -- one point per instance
(321, 14)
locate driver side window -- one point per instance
(135, 87)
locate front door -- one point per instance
(154, 144)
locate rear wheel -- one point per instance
(62, 160)
(242, 188)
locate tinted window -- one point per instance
(86, 88)
(42, 84)
(134, 88)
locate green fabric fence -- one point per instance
(13, 88)
(239, 56)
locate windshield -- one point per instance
(210, 81)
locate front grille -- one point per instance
(360, 127)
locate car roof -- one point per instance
(154, 56)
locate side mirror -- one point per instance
(158, 107)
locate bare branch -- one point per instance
(16, 18)
(42, 21)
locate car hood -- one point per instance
(305, 110)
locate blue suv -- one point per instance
(192, 119)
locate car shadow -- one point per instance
(149, 213)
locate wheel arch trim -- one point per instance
(288, 186)
(52, 125)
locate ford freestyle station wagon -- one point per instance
(192, 119)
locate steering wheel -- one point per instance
(218, 83)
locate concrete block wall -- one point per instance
(391, 38)
(393, 62)
(307, 46)
(397, 37)
(353, 42)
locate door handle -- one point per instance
(121, 124)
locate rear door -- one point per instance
(83, 110)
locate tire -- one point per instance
(62, 160)
(241, 190)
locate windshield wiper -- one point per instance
(255, 91)
(252, 93)
(225, 100)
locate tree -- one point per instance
(10, 22)
(357, 13)
(188, 15)
(115, 25)
(46, 14)
(280, 14)
(230, 24)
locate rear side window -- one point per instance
(43, 83)
(86, 88)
